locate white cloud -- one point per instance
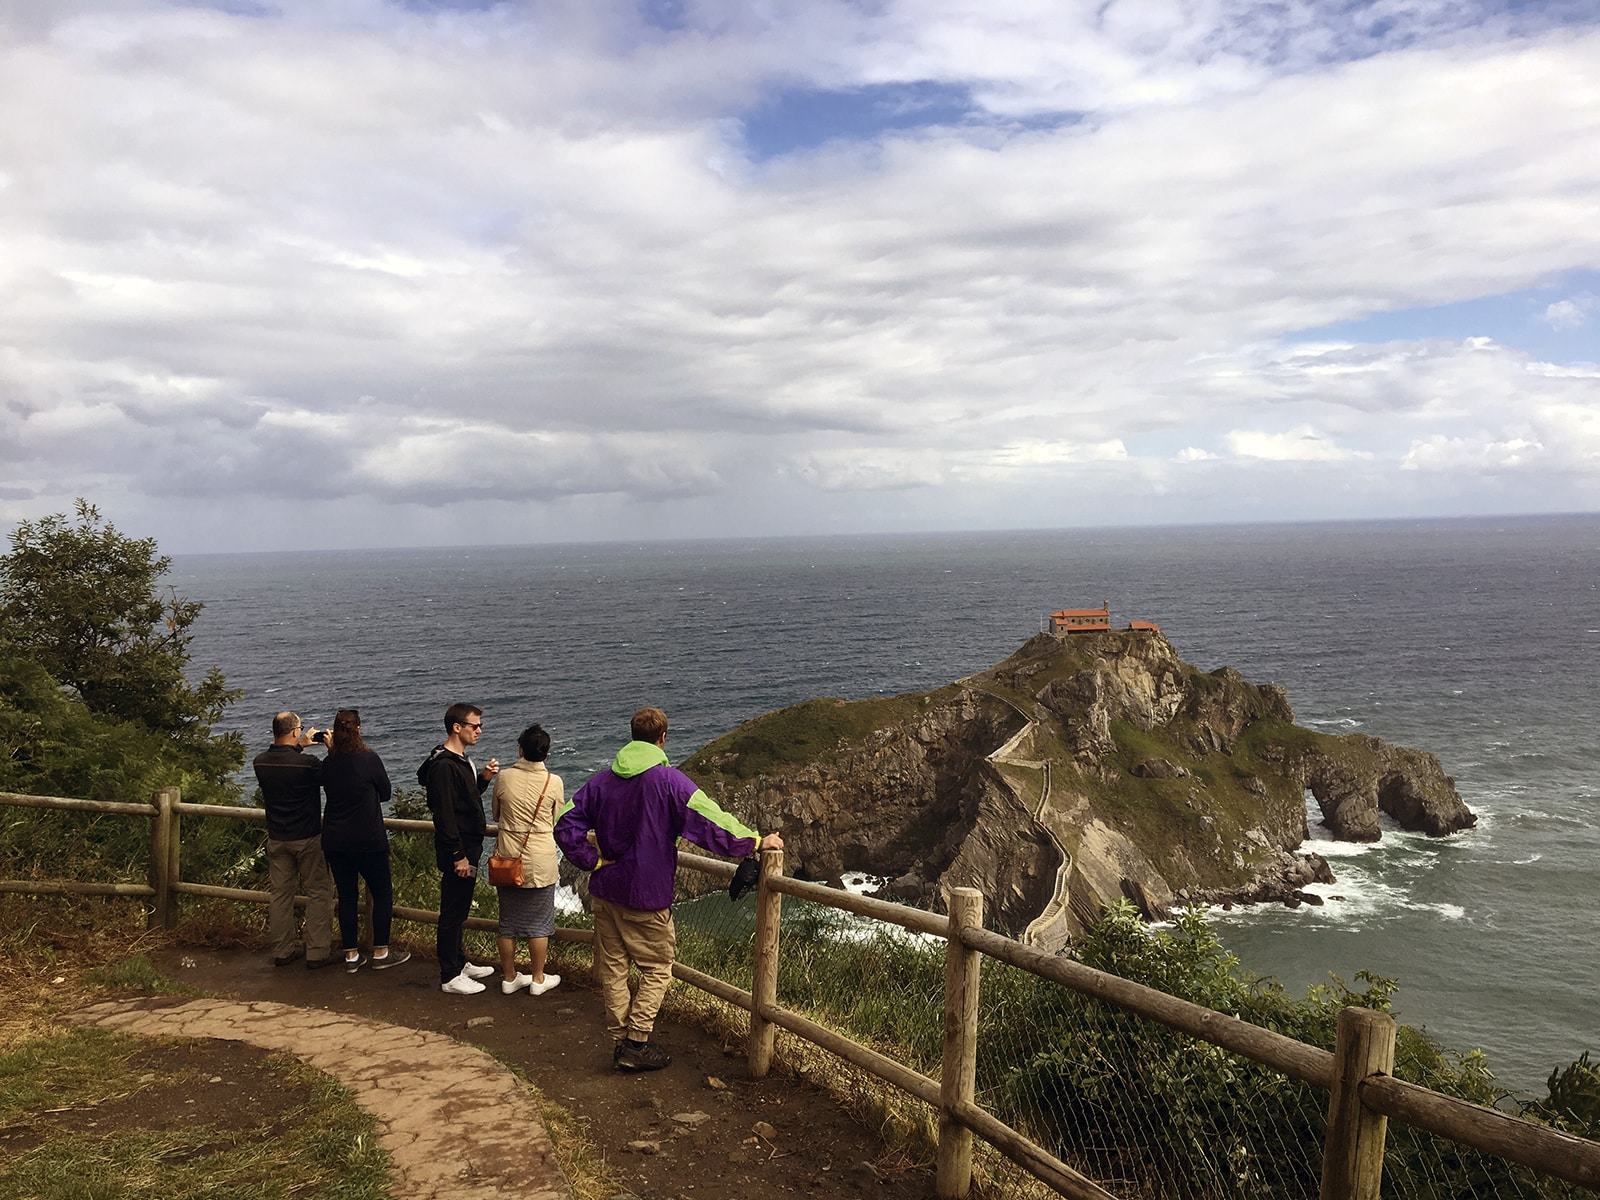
(1440, 453)
(1570, 314)
(391, 258)
(1296, 445)
(1039, 452)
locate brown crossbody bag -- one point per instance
(507, 871)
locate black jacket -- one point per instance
(291, 792)
(357, 788)
(454, 789)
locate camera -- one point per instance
(320, 736)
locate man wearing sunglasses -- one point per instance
(454, 797)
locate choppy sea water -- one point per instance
(1475, 639)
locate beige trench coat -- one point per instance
(516, 792)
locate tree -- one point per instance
(83, 601)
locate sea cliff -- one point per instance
(1084, 768)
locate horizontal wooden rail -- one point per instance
(1503, 1135)
(886, 1069)
(211, 891)
(18, 800)
(1295, 1059)
(720, 868)
(917, 920)
(720, 988)
(1028, 1155)
(67, 887)
(236, 812)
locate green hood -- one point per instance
(636, 758)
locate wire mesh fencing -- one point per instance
(1140, 1108)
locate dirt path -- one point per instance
(668, 1135)
(456, 1123)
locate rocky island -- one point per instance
(1087, 767)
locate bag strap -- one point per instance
(537, 805)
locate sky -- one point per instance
(341, 273)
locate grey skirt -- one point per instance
(527, 912)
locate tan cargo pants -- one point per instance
(648, 940)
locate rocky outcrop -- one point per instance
(1360, 776)
(1084, 769)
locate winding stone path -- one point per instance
(455, 1122)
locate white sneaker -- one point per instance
(474, 971)
(539, 989)
(462, 986)
(516, 985)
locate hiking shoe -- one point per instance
(474, 971)
(645, 1056)
(352, 965)
(516, 985)
(392, 959)
(294, 955)
(461, 985)
(538, 988)
(316, 964)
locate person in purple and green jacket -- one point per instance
(623, 825)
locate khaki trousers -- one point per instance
(648, 940)
(293, 864)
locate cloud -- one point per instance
(1297, 445)
(850, 470)
(1572, 313)
(1550, 437)
(401, 260)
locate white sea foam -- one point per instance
(1325, 844)
(860, 883)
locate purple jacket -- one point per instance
(638, 809)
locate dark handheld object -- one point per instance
(320, 735)
(745, 877)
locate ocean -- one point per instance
(1475, 639)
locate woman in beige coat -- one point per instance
(526, 800)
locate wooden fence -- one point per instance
(1363, 1096)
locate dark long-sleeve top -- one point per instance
(454, 789)
(357, 788)
(291, 792)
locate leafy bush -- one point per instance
(1137, 1106)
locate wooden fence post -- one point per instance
(764, 968)
(1352, 1157)
(164, 859)
(953, 1173)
